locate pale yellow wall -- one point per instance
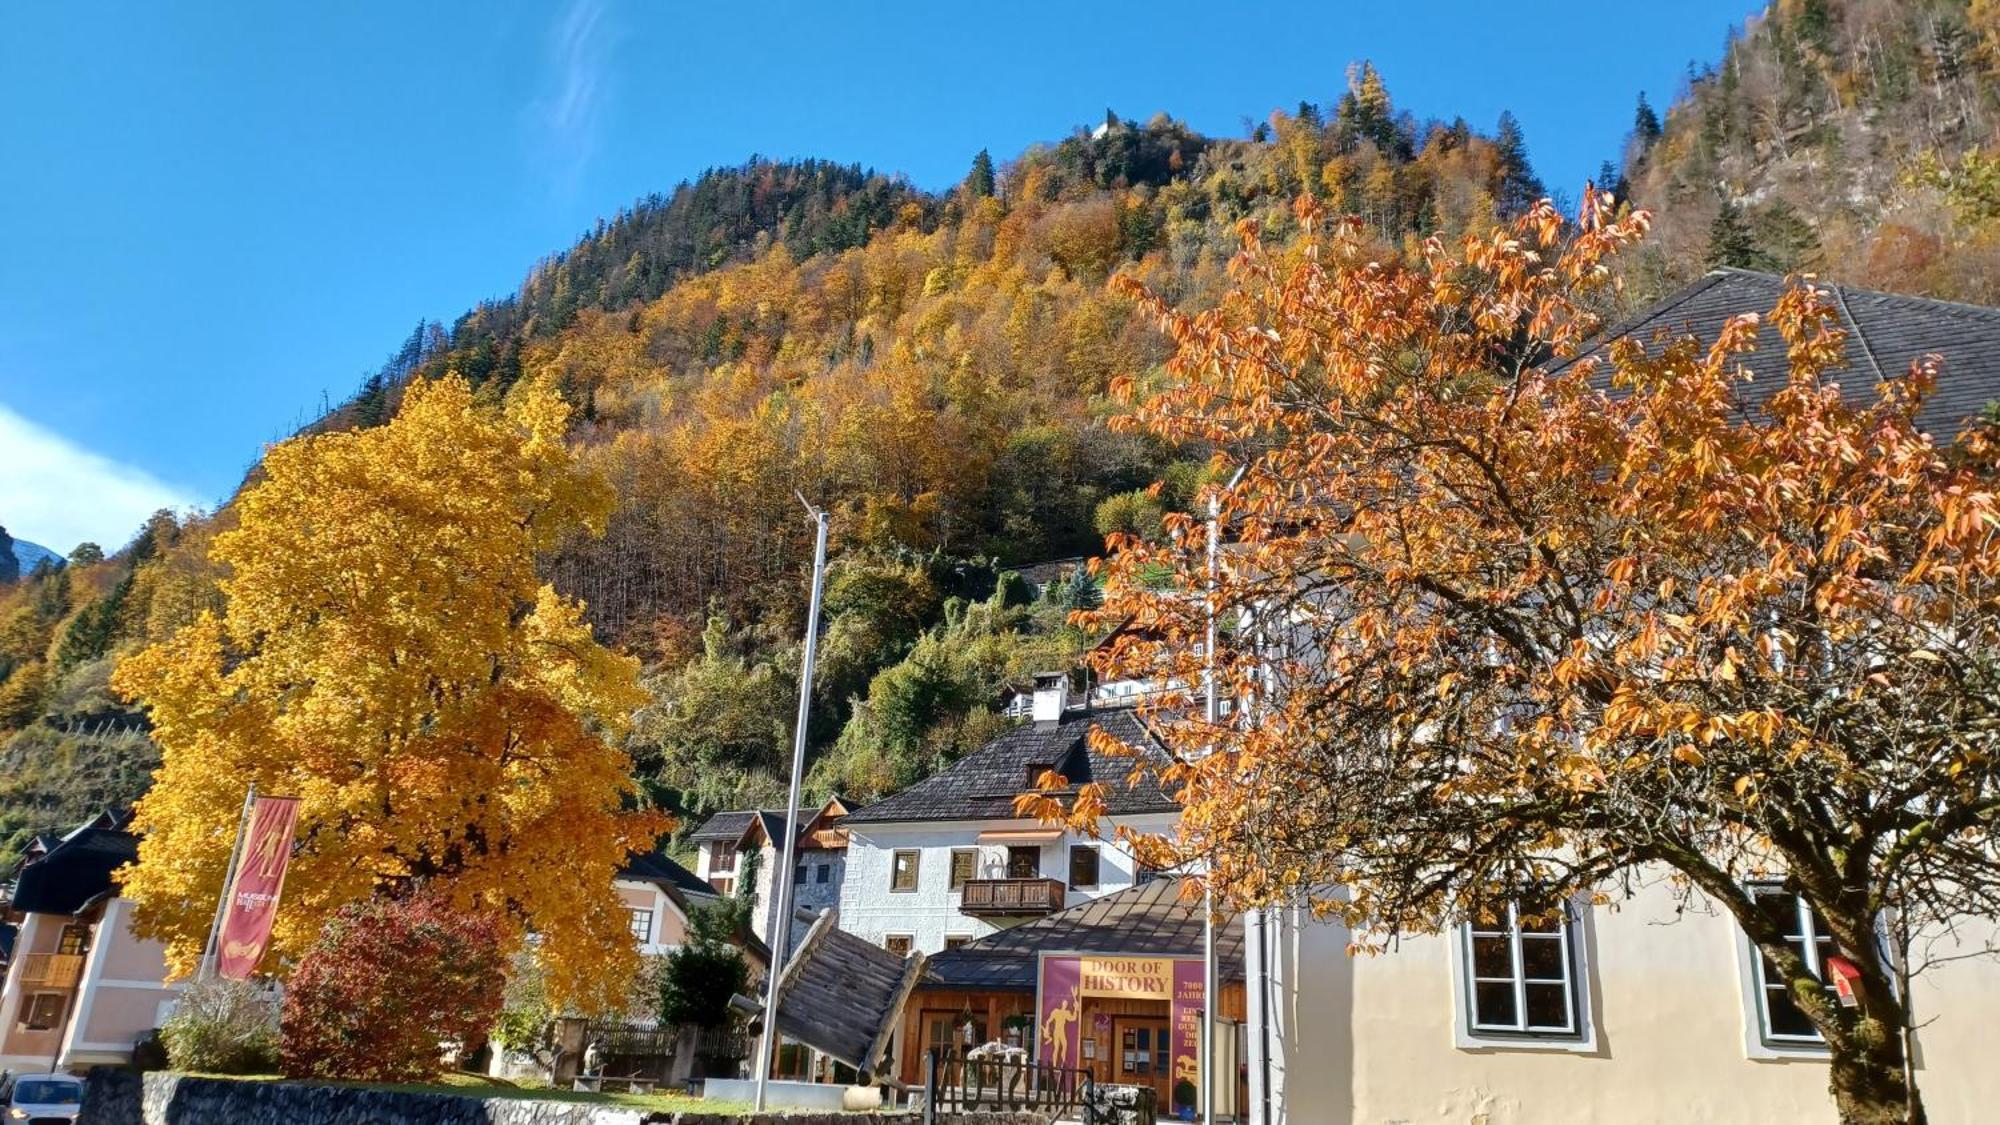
(124, 990)
(1667, 1001)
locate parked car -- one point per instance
(42, 1099)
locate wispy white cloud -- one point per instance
(57, 493)
(567, 116)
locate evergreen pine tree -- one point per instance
(10, 566)
(1081, 591)
(1645, 125)
(980, 181)
(1517, 188)
(1731, 243)
(371, 404)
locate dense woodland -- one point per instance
(933, 367)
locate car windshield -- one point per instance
(47, 1091)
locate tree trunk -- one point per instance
(1868, 1078)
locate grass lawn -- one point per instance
(480, 1086)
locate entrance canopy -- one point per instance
(1149, 920)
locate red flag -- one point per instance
(260, 877)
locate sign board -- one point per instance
(1065, 981)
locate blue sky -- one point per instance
(212, 215)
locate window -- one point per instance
(953, 1030)
(903, 871)
(73, 940)
(642, 925)
(721, 858)
(898, 944)
(1083, 860)
(1779, 1020)
(799, 875)
(43, 1011)
(1035, 772)
(1521, 977)
(964, 862)
(1024, 862)
(823, 872)
(957, 941)
(722, 885)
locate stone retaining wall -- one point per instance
(120, 1097)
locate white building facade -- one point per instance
(949, 860)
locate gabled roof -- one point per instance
(1886, 333)
(771, 822)
(983, 784)
(725, 825)
(737, 824)
(660, 868)
(1149, 920)
(76, 869)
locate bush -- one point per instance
(223, 1027)
(386, 986)
(700, 977)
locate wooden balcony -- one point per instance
(52, 970)
(1011, 898)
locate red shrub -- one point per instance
(387, 984)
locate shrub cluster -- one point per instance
(387, 987)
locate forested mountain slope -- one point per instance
(1858, 139)
(931, 366)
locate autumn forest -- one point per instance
(936, 368)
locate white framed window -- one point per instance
(1523, 982)
(1774, 1022)
(642, 925)
(43, 1011)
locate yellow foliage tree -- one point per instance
(387, 655)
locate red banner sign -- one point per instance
(260, 878)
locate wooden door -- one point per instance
(1142, 1054)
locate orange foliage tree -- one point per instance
(1501, 628)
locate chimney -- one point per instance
(1051, 696)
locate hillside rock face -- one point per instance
(1851, 138)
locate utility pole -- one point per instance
(781, 879)
(1212, 711)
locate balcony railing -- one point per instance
(52, 970)
(1015, 898)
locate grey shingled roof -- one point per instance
(1149, 920)
(1886, 332)
(983, 784)
(842, 995)
(733, 824)
(725, 825)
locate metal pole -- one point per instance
(207, 965)
(1212, 710)
(781, 879)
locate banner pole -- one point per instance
(207, 965)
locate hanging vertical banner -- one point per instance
(1186, 1015)
(260, 877)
